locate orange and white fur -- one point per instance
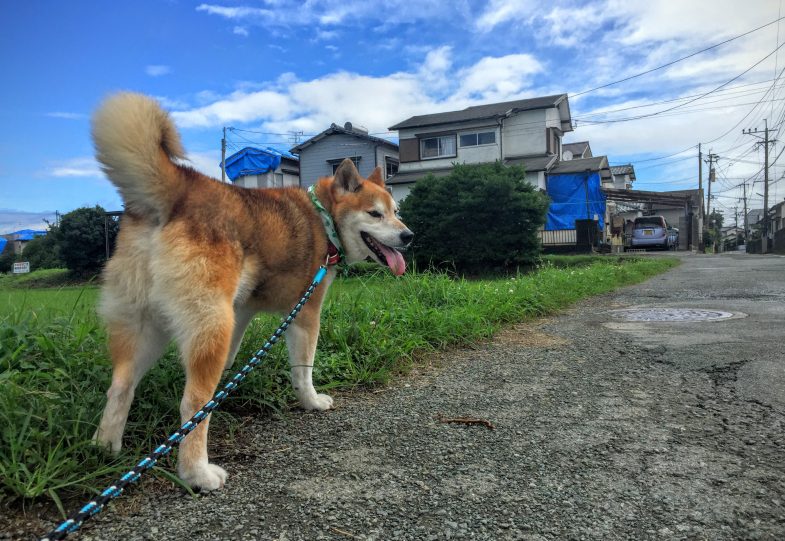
(196, 259)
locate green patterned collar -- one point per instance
(335, 251)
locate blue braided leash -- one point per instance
(96, 505)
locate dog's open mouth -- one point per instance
(384, 253)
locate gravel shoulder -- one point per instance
(601, 432)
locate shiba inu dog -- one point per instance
(196, 259)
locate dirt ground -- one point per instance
(602, 429)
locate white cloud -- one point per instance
(325, 35)
(240, 31)
(207, 162)
(238, 12)
(171, 103)
(503, 11)
(66, 115)
(498, 78)
(238, 107)
(77, 167)
(157, 70)
(375, 102)
(289, 13)
(13, 220)
(572, 26)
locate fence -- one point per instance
(581, 239)
(558, 237)
(779, 242)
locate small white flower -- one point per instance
(373, 323)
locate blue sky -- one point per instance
(278, 66)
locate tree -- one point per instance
(713, 226)
(7, 258)
(715, 220)
(479, 217)
(44, 252)
(82, 241)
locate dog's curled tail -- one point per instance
(135, 142)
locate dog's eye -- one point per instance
(375, 213)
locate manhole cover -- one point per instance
(671, 314)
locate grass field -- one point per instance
(54, 368)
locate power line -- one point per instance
(690, 101)
(728, 94)
(677, 60)
(751, 110)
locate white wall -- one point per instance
(524, 133)
(400, 191)
(536, 178)
(621, 181)
(278, 179)
(475, 154)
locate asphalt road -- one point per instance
(603, 429)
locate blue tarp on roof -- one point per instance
(27, 234)
(574, 197)
(254, 161)
(3, 242)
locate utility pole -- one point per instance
(766, 142)
(736, 225)
(712, 177)
(703, 207)
(223, 157)
(700, 176)
(746, 226)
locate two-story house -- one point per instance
(526, 132)
(321, 154)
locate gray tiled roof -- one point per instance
(334, 128)
(533, 163)
(597, 163)
(577, 148)
(627, 169)
(413, 176)
(476, 112)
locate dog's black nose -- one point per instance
(406, 236)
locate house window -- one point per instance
(390, 166)
(553, 141)
(437, 147)
(336, 163)
(475, 139)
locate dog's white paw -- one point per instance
(318, 402)
(112, 445)
(205, 477)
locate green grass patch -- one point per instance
(54, 368)
(42, 278)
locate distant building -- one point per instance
(576, 151)
(754, 217)
(263, 168)
(623, 176)
(321, 154)
(19, 239)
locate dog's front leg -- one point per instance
(301, 338)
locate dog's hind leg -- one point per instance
(301, 338)
(205, 351)
(134, 349)
(242, 317)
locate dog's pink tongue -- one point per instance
(394, 260)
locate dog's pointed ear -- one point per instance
(347, 177)
(376, 177)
